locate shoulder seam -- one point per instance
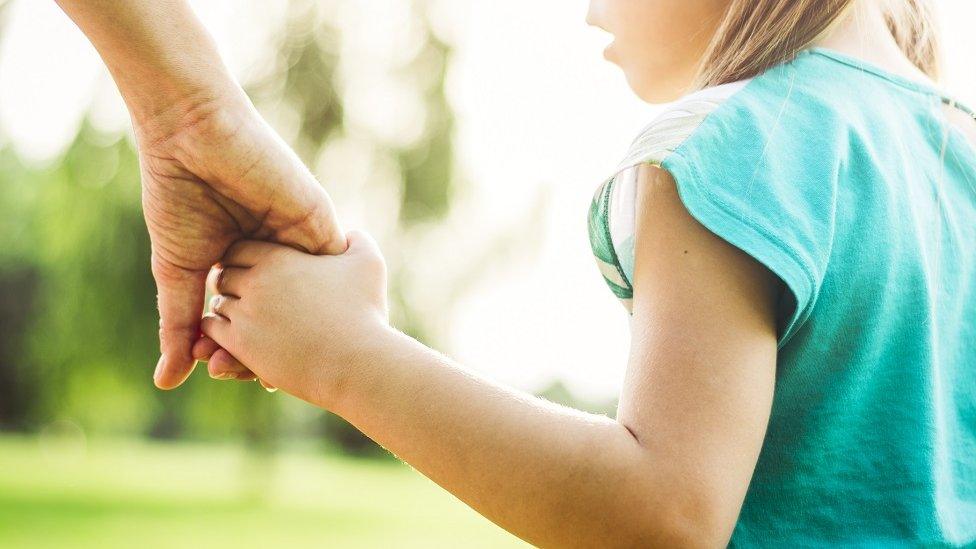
(676, 124)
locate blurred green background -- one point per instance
(91, 455)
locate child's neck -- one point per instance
(864, 34)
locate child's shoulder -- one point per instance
(791, 104)
(756, 162)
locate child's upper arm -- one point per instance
(699, 383)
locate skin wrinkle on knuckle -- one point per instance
(168, 329)
(167, 270)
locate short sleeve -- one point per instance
(759, 170)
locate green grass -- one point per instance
(149, 495)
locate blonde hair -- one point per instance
(757, 34)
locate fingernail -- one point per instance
(271, 389)
(159, 367)
(223, 376)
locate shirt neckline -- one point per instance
(915, 85)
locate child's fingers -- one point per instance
(230, 281)
(217, 328)
(223, 365)
(223, 305)
(226, 280)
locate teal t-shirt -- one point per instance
(852, 186)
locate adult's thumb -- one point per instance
(180, 295)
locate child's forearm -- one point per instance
(549, 474)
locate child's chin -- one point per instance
(653, 91)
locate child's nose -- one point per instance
(593, 13)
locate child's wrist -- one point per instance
(341, 386)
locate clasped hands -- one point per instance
(221, 188)
(295, 320)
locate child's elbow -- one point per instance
(686, 522)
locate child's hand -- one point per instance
(299, 321)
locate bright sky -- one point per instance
(538, 111)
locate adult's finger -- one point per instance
(248, 253)
(317, 230)
(204, 348)
(297, 210)
(180, 295)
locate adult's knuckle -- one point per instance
(161, 268)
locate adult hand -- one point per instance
(214, 172)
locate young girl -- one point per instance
(793, 238)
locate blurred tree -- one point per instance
(77, 310)
(18, 281)
(17, 386)
(80, 230)
(302, 83)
